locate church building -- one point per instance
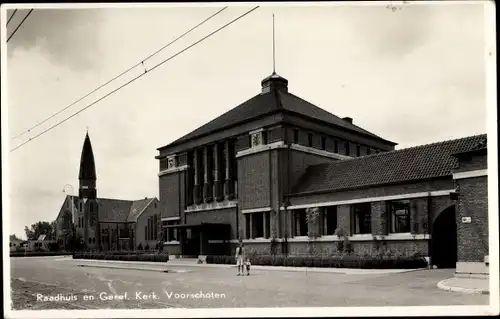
(104, 223)
(286, 176)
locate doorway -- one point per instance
(444, 239)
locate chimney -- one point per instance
(348, 119)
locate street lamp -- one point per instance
(72, 210)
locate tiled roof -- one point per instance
(113, 210)
(137, 207)
(267, 103)
(414, 163)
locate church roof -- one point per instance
(404, 165)
(87, 163)
(269, 102)
(114, 210)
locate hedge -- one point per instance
(122, 256)
(38, 253)
(329, 261)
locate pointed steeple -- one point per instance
(87, 164)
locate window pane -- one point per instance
(361, 218)
(331, 220)
(400, 216)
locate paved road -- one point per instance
(50, 276)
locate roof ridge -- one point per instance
(401, 150)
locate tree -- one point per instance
(39, 228)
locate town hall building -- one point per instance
(283, 174)
(105, 223)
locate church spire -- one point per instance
(87, 164)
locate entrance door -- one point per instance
(191, 247)
(444, 239)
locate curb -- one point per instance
(442, 285)
(127, 268)
(344, 271)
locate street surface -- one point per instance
(41, 282)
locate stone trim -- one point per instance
(173, 242)
(261, 148)
(467, 267)
(166, 219)
(256, 210)
(470, 174)
(211, 206)
(256, 131)
(372, 199)
(315, 151)
(331, 238)
(173, 170)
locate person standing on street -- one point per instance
(240, 258)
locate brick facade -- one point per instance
(273, 150)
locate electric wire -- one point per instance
(136, 78)
(20, 24)
(13, 13)
(119, 75)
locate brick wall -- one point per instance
(253, 181)
(472, 163)
(397, 189)
(329, 248)
(299, 161)
(170, 194)
(344, 218)
(142, 221)
(378, 218)
(472, 239)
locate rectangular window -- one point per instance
(329, 220)
(399, 214)
(358, 150)
(361, 220)
(163, 164)
(347, 149)
(296, 136)
(335, 146)
(267, 230)
(247, 226)
(300, 222)
(310, 140)
(171, 233)
(368, 151)
(258, 225)
(323, 143)
(146, 232)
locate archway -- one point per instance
(444, 239)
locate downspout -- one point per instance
(429, 226)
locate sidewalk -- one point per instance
(466, 285)
(158, 266)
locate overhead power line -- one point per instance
(20, 24)
(13, 13)
(121, 74)
(137, 77)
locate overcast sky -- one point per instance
(413, 76)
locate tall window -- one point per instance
(358, 150)
(296, 136)
(91, 208)
(335, 146)
(399, 214)
(171, 233)
(309, 139)
(146, 232)
(347, 149)
(361, 220)
(155, 229)
(329, 220)
(323, 142)
(300, 222)
(257, 225)
(368, 151)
